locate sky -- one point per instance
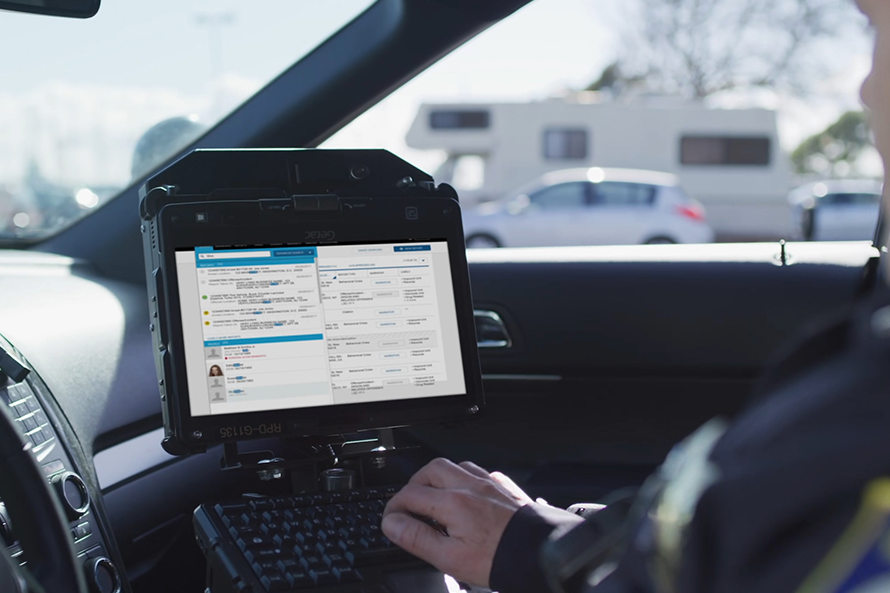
(75, 96)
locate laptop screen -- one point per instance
(273, 328)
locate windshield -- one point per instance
(88, 106)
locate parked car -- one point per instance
(836, 210)
(591, 206)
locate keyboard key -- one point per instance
(230, 508)
(252, 539)
(301, 501)
(281, 502)
(287, 564)
(349, 532)
(334, 559)
(327, 548)
(348, 544)
(275, 582)
(334, 522)
(247, 533)
(299, 579)
(283, 541)
(323, 576)
(262, 504)
(262, 553)
(371, 531)
(346, 574)
(311, 561)
(272, 516)
(265, 567)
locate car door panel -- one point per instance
(618, 353)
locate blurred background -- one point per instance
(571, 122)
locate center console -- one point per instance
(56, 452)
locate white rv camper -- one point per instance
(729, 160)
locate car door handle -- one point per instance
(490, 330)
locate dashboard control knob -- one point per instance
(73, 493)
(102, 576)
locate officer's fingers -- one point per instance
(511, 487)
(451, 556)
(423, 500)
(442, 473)
(417, 537)
(474, 469)
(498, 478)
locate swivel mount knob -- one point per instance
(337, 478)
(102, 576)
(73, 493)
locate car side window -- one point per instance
(845, 199)
(614, 193)
(561, 196)
(865, 199)
(499, 124)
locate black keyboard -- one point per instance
(328, 539)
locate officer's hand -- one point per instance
(472, 506)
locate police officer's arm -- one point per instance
(487, 531)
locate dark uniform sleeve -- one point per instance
(793, 468)
(789, 474)
(516, 568)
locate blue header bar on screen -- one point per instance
(269, 340)
(208, 257)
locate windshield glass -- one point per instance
(88, 106)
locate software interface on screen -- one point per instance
(293, 327)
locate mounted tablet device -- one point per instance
(305, 293)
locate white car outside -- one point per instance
(590, 206)
(836, 210)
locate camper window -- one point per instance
(459, 120)
(565, 143)
(724, 150)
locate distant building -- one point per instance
(728, 159)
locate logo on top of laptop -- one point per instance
(320, 236)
